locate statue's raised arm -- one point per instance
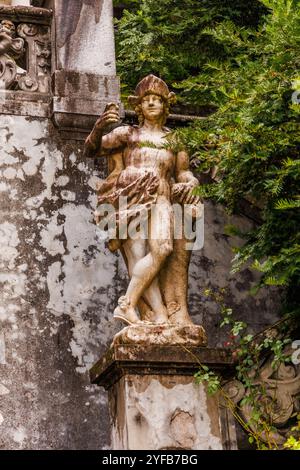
(99, 139)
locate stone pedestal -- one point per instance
(154, 401)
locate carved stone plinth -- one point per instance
(154, 401)
(162, 335)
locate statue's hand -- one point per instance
(184, 193)
(191, 197)
(109, 117)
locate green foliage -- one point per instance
(209, 378)
(241, 59)
(254, 136)
(168, 38)
(292, 443)
(249, 352)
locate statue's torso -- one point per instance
(144, 153)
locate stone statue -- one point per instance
(151, 176)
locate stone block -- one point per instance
(79, 98)
(154, 401)
(159, 412)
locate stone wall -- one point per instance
(60, 285)
(57, 293)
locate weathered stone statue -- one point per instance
(150, 177)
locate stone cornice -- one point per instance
(156, 359)
(26, 14)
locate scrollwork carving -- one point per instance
(44, 55)
(27, 43)
(39, 52)
(26, 30)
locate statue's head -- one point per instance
(152, 92)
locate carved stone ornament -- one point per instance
(37, 38)
(11, 48)
(279, 395)
(25, 43)
(155, 181)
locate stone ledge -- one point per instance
(24, 103)
(126, 359)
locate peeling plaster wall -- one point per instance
(59, 285)
(164, 412)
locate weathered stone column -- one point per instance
(85, 43)
(85, 79)
(154, 401)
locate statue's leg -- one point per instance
(153, 297)
(145, 270)
(132, 251)
(152, 301)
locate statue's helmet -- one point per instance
(151, 85)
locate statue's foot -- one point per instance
(126, 313)
(183, 321)
(129, 318)
(178, 316)
(160, 319)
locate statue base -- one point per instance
(165, 334)
(154, 402)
